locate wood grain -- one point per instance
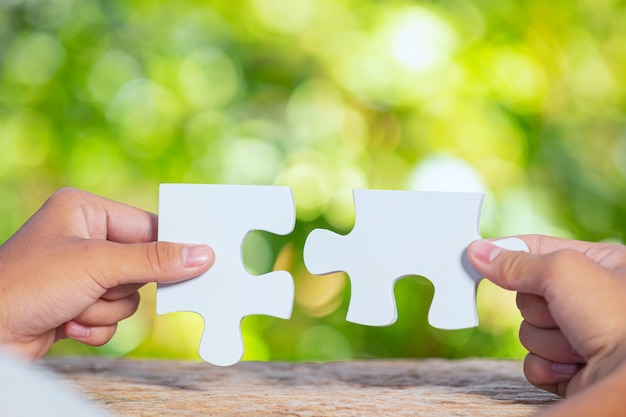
(432, 387)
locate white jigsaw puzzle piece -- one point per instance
(221, 216)
(401, 233)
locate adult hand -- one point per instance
(571, 295)
(74, 270)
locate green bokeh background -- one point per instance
(522, 100)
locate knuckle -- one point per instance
(91, 252)
(510, 269)
(133, 300)
(529, 368)
(533, 370)
(65, 199)
(160, 256)
(523, 301)
(524, 336)
(64, 196)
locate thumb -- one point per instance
(162, 262)
(583, 296)
(533, 273)
(577, 289)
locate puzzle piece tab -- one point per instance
(221, 216)
(401, 233)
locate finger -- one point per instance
(93, 336)
(126, 224)
(105, 313)
(605, 397)
(534, 309)
(533, 273)
(548, 375)
(576, 304)
(550, 344)
(542, 244)
(60, 333)
(123, 223)
(105, 219)
(121, 291)
(608, 254)
(162, 262)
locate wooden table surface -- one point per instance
(431, 387)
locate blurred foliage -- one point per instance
(521, 99)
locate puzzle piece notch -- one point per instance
(401, 233)
(222, 216)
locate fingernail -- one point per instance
(567, 369)
(485, 251)
(77, 331)
(196, 255)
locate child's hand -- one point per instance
(74, 270)
(572, 296)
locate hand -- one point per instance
(74, 270)
(571, 295)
